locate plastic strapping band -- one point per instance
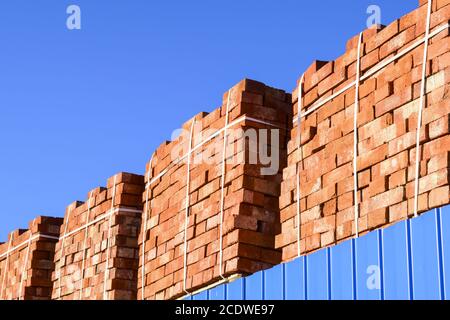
(355, 136)
(6, 268)
(299, 148)
(144, 226)
(209, 138)
(105, 294)
(24, 269)
(84, 245)
(421, 103)
(186, 217)
(374, 70)
(39, 235)
(222, 187)
(63, 257)
(99, 218)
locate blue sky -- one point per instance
(77, 106)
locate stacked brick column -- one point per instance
(26, 261)
(250, 199)
(386, 129)
(97, 254)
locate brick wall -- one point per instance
(250, 216)
(26, 261)
(99, 235)
(386, 131)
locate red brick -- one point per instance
(438, 197)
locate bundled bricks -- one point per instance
(97, 254)
(387, 122)
(26, 261)
(249, 221)
(264, 178)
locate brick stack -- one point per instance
(97, 235)
(26, 261)
(250, 216)
(387, 124)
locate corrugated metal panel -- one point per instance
(217, 293)
(295, 280)
(272, 280)
(396, 262)
(317, 276)
(254, 286)
(425, 257)
(342, 271)
(409, 260)
(368, 267)
(236, 290)
(201, 296)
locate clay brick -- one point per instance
(70, 281)
(439, 127)
(372, 157)
(383, 36)
(398, 211)
(378, 218)
(397, 179)
(377, 186)
(438, 197)
(27, 276)
(438, 162)
(251, 200)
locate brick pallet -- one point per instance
(321, 155)
(250, 200)
(97, 253)
(26, 261)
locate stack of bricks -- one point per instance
(250, 198)
(386, 128)
(26, 261)
(97, 254)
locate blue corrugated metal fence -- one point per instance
(409, 260)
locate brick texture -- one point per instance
(387, 124)
(127, 240)
(26, 261)
(250, 217)
(84, 236)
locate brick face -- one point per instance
(131, 240)
(250, 198)
(26, 261)
(387, 123)
(84, 254)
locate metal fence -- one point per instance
(409, 260)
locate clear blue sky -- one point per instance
(78, 106)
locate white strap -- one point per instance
(99, 218)
(24, 268)
(105, 294)
(186, 217)
(421, 103)
(147, 208)
(39, 235)
(212, 136)
(84, 246)
(375, 69)
(222, 186)
(355, 136)
(299, 148)
(2, 290)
